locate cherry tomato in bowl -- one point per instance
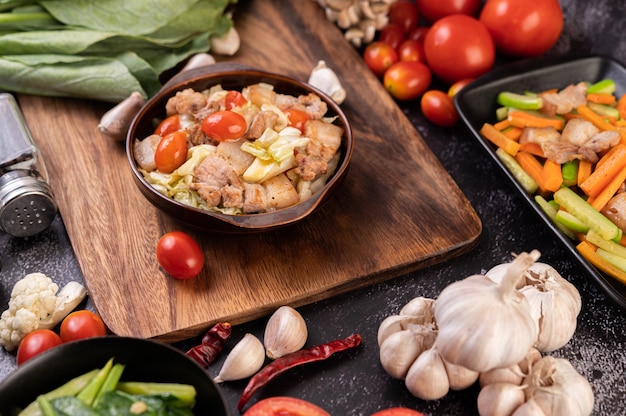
(407, 80)
(36, 342)
(223, 126)
(438, 107)
(179, 255)
(82, 324)
(171, 152)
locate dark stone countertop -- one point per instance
(355, 384)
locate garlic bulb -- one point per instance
(285, 332)
(500, 399)
(326, 80)
(427, 378)
(245, 359)
(484, 325)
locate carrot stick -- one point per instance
(531, 165)
(609, 190)
(513, 133)
(601, 98)
(588, 251)
(621, 106)
(552, 178)
(605, 172)
(532, 148)
(526, 119)
(501, 125)
(599, 121)
(584, 171)
(499, 139)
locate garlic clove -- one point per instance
(393, 324)
(228, 44)
(427, 378)
(326, 80)
(500, 399)
(285, 332)
(115, 123)
(529, 408)
(398, 352)
(244, 360)
(512, 375)
(531, 358)
(460, 377)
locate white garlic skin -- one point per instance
(399, 351)
(427, 378)
(326, 80)
(460, 377)
(529, 408)
(244, 360)
(511, 375)
(285, 332)
(500, 399)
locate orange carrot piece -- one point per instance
(605, 195)
(584, 171)
(601, 98)
(552, 177)
(531, 165)
(588, 251)
(532, 148)
(525, 119)
(513, 133)
(621, 106)
(496, 137)
(596, 119)
(613, 162)
(622, 240)
(502, 124)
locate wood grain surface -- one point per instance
(397, 211)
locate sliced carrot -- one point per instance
(502, 124)
(601, 98)
(531, 165)
(584, 171)
(613, 162)
(619, 123)
(550, 91)
(599, 121)
(605, 195)
(588, 251)
(552, 177)
(496, 137)
(513, 133)
(621, 106)
(532, 148)
(526, 119)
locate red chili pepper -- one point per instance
(212, 344)
(286, 362)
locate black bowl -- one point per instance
(477, 104)
(145, 360)
(234, 76)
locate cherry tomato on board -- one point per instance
(458, 86)
(179, 255)
(438, 107)
(433, 10)
(458, 47)
(224, 126)
(522, 28)
(285, 406)
(234, 99)
(398, 411)
(35, 343)
(297, 118)
(171, 152)
(82, 324)
(407, 80)
(412, 50)
(404, 13)
(393, 34)
(168, 125)
(379, 56)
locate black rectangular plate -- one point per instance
(477, 104)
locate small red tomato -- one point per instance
(412, 50)
(284, 405)
(398, 411)
(82, 324)
(297, 118)
(179, 255)
(458, 86)
(438, 108)
(379, 56)
(171, 152)
(224, 126)
(168, 125)
(234, 99)
(407, 80)
(35, 343)
(393, 34)
(432, 10)
(419, 33)
(404, 13)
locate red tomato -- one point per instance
(393, 34)
(419, 33)
(234, 99)
(168, 125)
(523, 28)
(404, 13)
(432, 10)
(407, 80)
(412, 50)
(224, 126)
(35, 343)
(179, 255)
(398, 411)
(458, 47)
(285, 406)
(171, 152)
(297, 118)
(379, 56)
(458, 86)
(82, 324)
(438, 108)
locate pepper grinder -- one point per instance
(27, 204)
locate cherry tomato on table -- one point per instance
(432, 10)
(458, 47)
(438, 108)
(379, 56)
(35, 343)
(179, 255)
(223, 126)
(168, 125)
(407, 80)
(419, 33)
(285, 406)
(412, 50)
(523, 28)
(392, 34)
(404, 13)
(171, 152)
(297, 118)
(398, 411)
(458, 86)
(82, 324)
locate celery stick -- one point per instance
(186, 393)
(527, 182)
(571, 222)
(45, 406)
(607, 245)
(521, 101)
(110, 383)
(606, 86)
(582, 210)
(615, 260)
(551, 213)
(89, 393)
(570, 172)
(604, 110)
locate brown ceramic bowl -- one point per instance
(234, 76)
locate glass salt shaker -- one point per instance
(27, 204)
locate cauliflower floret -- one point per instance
(34, 304)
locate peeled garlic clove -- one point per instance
(500, 399)
(326, 80)
(427, 378)
(460, 377)
(244, 360)
(286, 332)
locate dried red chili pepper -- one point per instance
(289, 361)
(212, 344)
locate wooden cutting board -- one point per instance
(397, 211)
